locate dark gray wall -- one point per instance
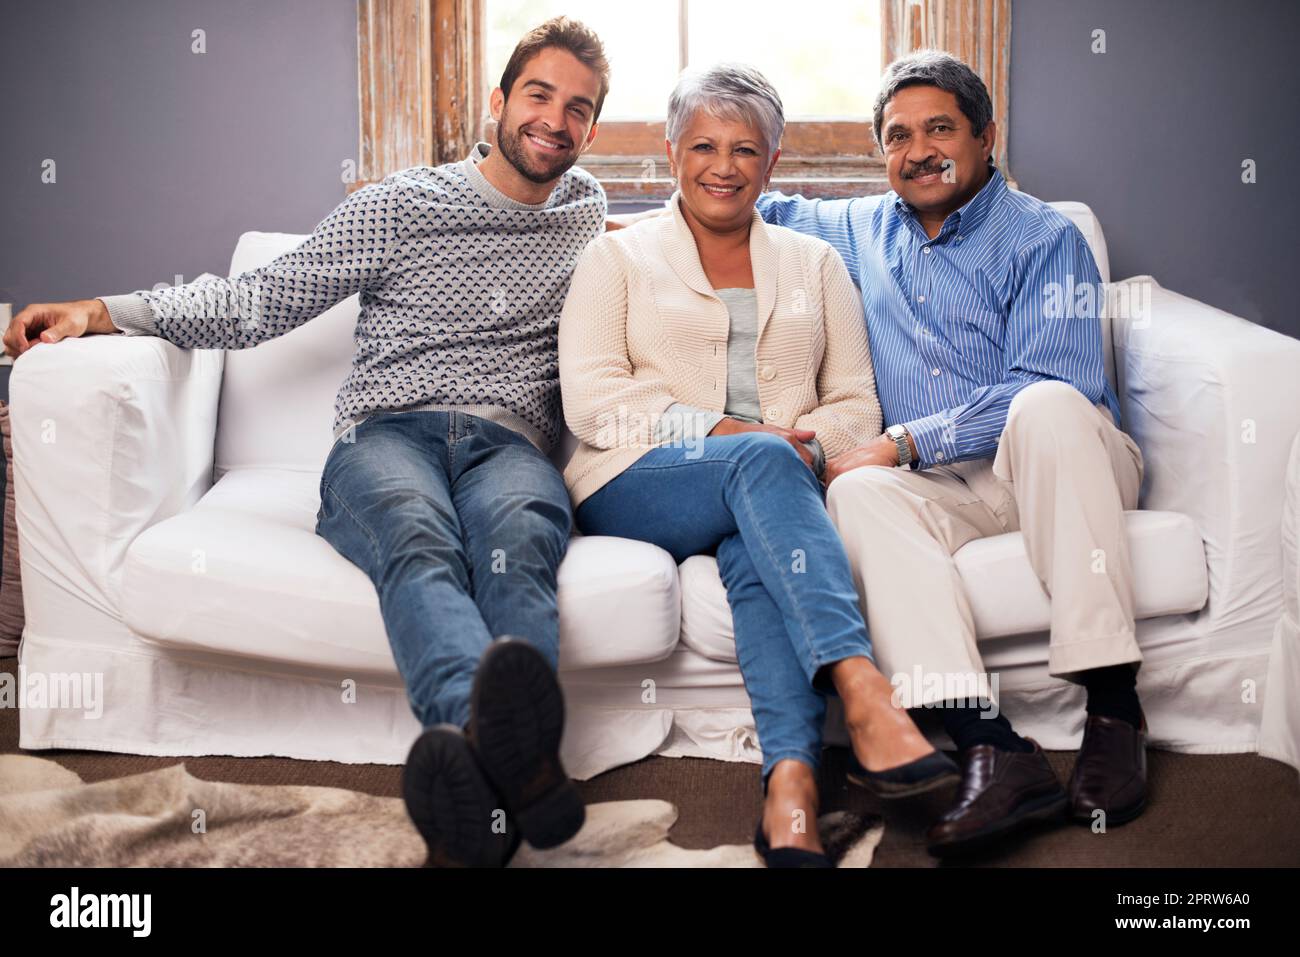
(165, 156)
(1152, 134)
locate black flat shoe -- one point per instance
(515, 725)
(787, 856)
(453, 805)
(935, 770)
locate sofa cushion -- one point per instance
(243, 573)
(1169, 575)
(1086, 221)
(277, 400)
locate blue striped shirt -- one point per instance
(1007, 294)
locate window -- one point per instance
(827, 78)
(649, 43)
(426, 67)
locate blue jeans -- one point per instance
(460, 523)
(750, 499)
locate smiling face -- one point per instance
(934, 159)
(722, 166)
(548, 120)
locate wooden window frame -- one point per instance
(423, 94)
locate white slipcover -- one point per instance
(222, 625)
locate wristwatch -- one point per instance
(899, 435)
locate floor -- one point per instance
(1204, 810)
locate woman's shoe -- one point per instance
(787, 856)
(935, 770)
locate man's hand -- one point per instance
(50, 322)
(879, 451)
(795, 437)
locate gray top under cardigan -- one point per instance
(682, 422)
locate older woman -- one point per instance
(709, 364)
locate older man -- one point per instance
(1000, 419)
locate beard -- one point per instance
(510, 140)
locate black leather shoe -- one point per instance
(787, 856)
(453, 806)
(516, 721)
(1001, 791)
(935, 770)
(1111, 772)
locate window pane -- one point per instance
(823, 58)
(640, 42)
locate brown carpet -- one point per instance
(1236, 810)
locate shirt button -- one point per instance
(768, 373)
(920, 298)
(938, 456)
(926, 250)
(934, 372)
(774, 413)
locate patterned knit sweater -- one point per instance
(460, 289)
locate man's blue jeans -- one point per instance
(460, 523)
(750, 499)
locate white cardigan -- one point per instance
(642, 329)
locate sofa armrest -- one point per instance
(111, 434)
(1214, 403)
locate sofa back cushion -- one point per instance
(1082, 216)
(277, 400)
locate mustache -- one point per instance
(922, 170)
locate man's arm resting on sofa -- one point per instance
(50, 322)
(337, 260)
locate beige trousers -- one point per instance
(1063, 475)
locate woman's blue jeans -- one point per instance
(461, 524)
(750, 499)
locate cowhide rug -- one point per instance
(168, 818)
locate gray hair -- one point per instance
(729, 90)
(943, 70)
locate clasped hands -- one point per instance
(879, 451)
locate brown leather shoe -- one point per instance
(1001, 791)
(1111, 773)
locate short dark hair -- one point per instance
(566, 34)
(942, 70)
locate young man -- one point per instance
(438, 485)
(1001, 414)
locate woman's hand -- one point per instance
(881, 451)
(796, 437)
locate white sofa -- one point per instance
(166, 502)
